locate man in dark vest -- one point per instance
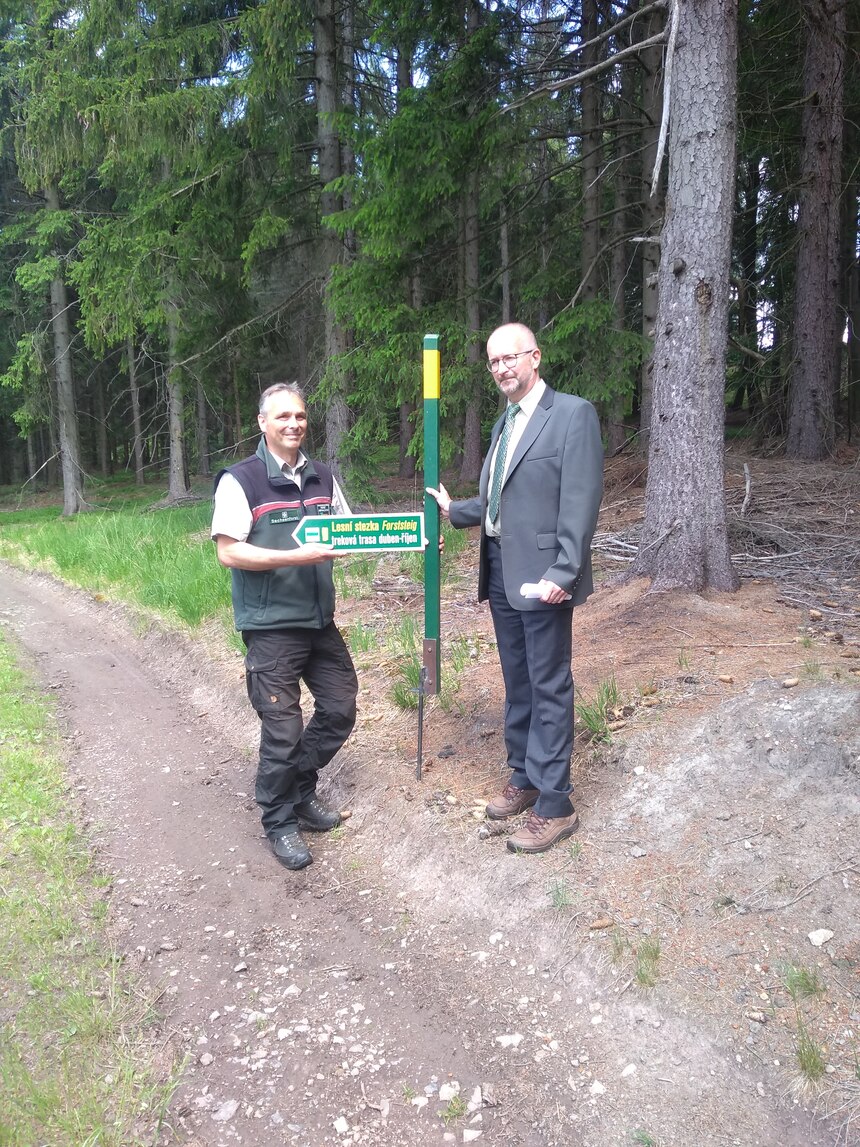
(283, 604)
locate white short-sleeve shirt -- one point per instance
(232, 515)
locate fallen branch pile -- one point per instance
(792, 522)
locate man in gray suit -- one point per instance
(537, 507)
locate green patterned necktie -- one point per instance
(501, 458)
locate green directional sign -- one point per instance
(364, 531)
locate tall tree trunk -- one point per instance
(407, 464)
(505, 260)
(67, 418)
(406, 467)
(851, 279)
(652, 210)
(815, 373)
(177, 465)
(546, 40)
(470, 467)
(32, 459)
(134, 392)
(203, 467)
(101, 427)
(774, 418)
(328, 148)
(591, 157)
(618, 268)
(237, 405)
(684, 540)
(348, 101)
(747, 247)
(177, 468)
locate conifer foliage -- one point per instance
(200, 198)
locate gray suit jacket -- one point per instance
(550, 501)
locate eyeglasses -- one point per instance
(508, 361)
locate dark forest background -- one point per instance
(199, 198)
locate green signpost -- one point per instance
(432, 384)
(431, 666)
(364, 532)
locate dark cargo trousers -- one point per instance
(291, 755)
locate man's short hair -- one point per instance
(278, 388)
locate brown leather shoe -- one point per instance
(511, 802)
(541, 832)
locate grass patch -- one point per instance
(403, 643)
(809, 1055)
(596, 713)
(619, 946)
(411, 562)
(805, 984)
(457, 654)
(361, 638)
(455, 1110)
(404, 691)
(559, 895)
(647, 962)
(802, 983)
(75, 1061)
(162, 560)
(353, 576)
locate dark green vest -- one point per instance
(293, 596)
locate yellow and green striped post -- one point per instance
(432, 385)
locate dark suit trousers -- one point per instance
(535, 648)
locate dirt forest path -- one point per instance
(410, 971)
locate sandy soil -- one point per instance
(420, 984)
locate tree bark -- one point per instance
(203, 467)
(815, 372)
(851, 281)
(591, 155)
(653, 208)
(505, 260)
(684, 542)
(67, 418)
(105, 462)
(545, 47)
(470, 467)
(134, 392)
(177, 469)
(616, 433)
(406, 464)
(32, 459)
(749, 184)
(329, 151)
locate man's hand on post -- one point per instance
(443, 498)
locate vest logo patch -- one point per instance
(324, 508)
(284, 517)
